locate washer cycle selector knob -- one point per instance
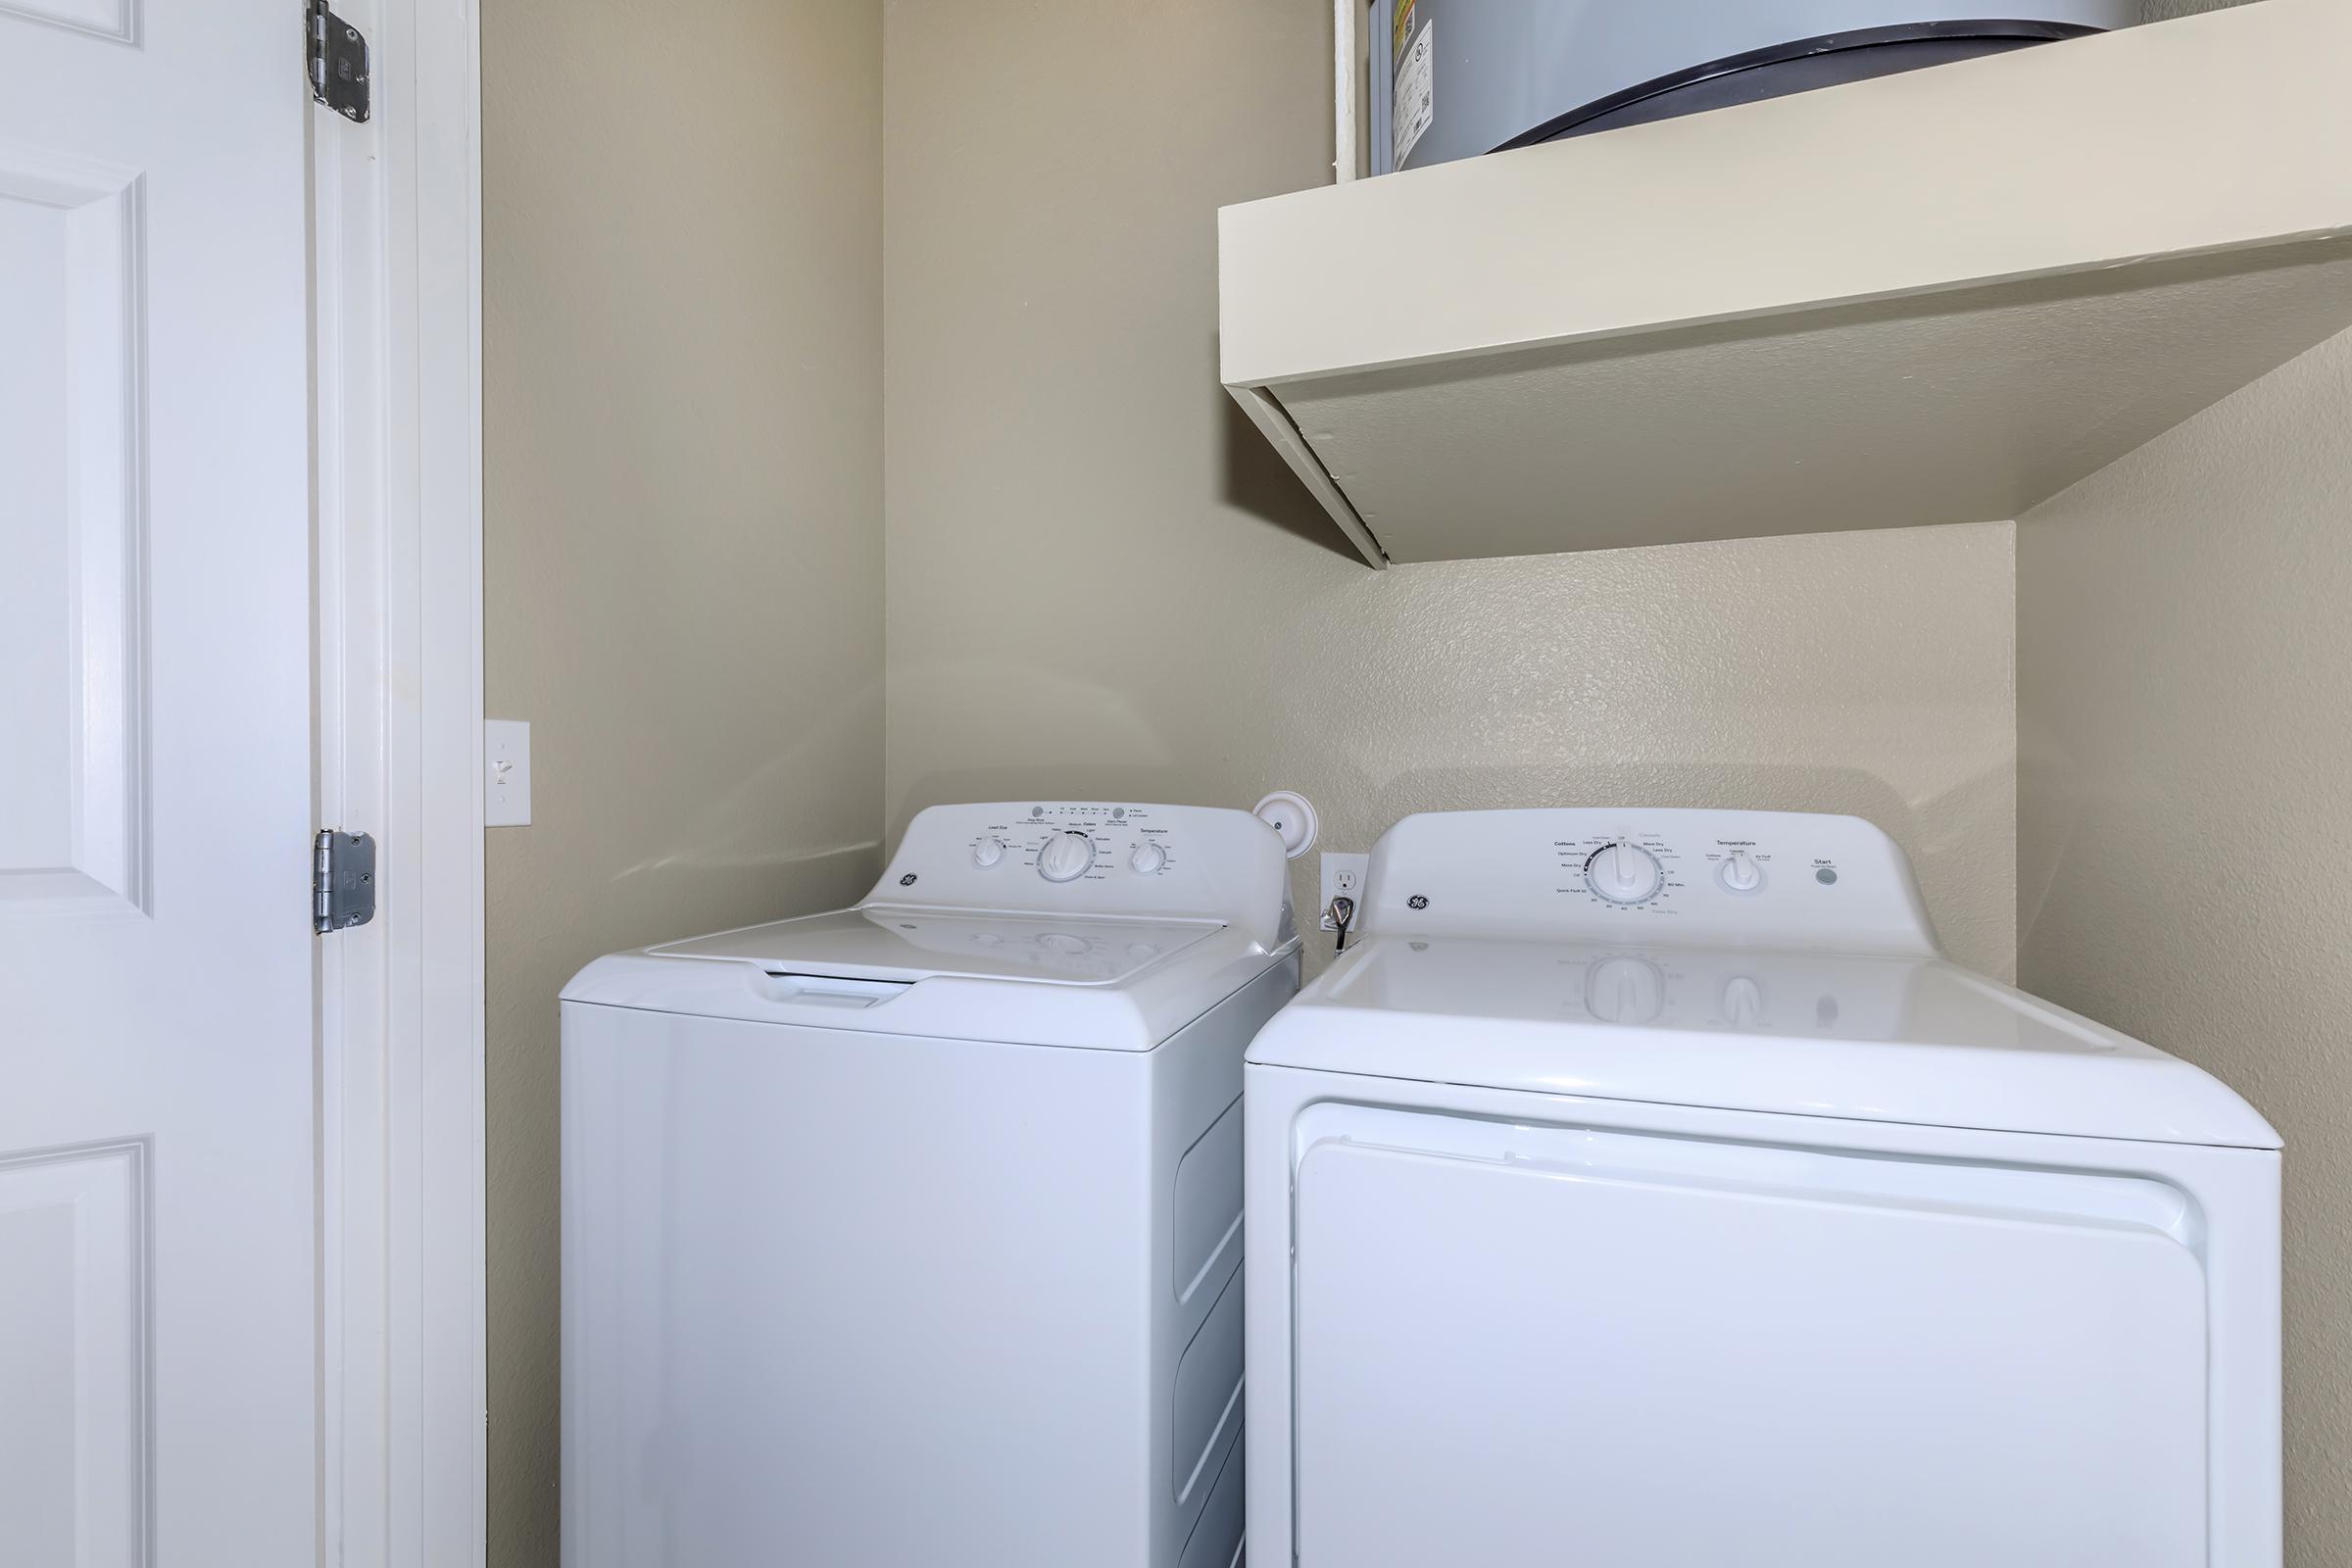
(988, 851)
(1145, 859)
(1066, 857)
(1624, 872)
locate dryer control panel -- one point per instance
(1777, 879)
(1095, 857)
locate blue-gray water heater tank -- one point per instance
(1455, 79)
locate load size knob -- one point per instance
(1624, 872)
(1066, 857)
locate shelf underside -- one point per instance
(1960, 407)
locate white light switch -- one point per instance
(506, 774)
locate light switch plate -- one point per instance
(1342, 875)
(506, 772)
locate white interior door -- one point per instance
(156, 1291)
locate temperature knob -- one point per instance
(1145, 859)
(1066, 857)
(1623, 990)
(988, 851)
(1624, 872)
(1741, 873)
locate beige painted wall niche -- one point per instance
(1099, 579)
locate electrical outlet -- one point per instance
(1342, 877)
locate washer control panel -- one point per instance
(1059, 842)
(1095, 857)
(1762, 878)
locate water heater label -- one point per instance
(1414, 105)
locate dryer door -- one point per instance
(1561, 1345)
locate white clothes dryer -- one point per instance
(1646, 1187)
(910, 1235)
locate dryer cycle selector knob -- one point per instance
(1145, 859)
(1624, 872)
(988, 851)
(1066, 857)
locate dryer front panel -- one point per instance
(1523, 1344)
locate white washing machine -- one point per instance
(909, 1235)
(1646, 1189)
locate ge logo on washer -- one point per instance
(907, 880)
(1419, 901)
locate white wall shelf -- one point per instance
(1941, 297)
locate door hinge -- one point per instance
(342, 880)
(338, 61)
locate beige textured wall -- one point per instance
(2172, 10)
(2184, 657)
(1102, 582)
(682, 342)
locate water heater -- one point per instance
(1455, 79)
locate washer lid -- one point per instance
(1873, 1038)
(896, 943)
